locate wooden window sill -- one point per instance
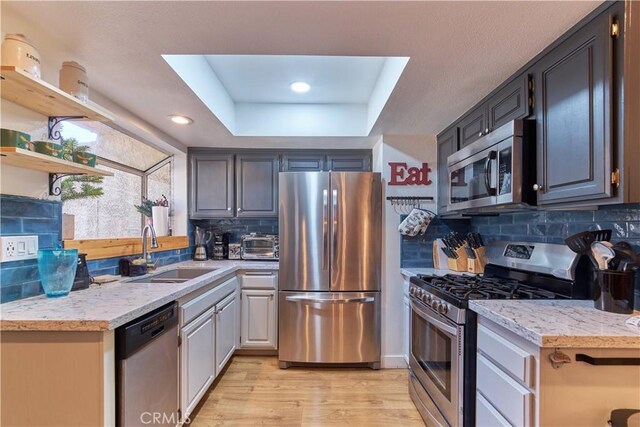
(112, 248)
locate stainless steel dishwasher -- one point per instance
(147, 369)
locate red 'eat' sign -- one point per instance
(402, 174)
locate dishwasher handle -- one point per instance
(138, 333)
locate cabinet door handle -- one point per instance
(229, 208)
(537, 187)
(480, 134)
(239, 209)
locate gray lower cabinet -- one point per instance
(349, 162)
(257, 185)
(197, 359)
(447, 145)
(574, 116)
(226, 330)
(303, 162)
(211, 186)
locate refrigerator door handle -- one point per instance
(334, 228)
(325, 229)
(329, 300)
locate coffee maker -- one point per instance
(203, 238)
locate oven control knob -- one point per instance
(434, 304)
(425, 298)
(412, 291)
(443, 308)
(428, 298)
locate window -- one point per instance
(104, 207)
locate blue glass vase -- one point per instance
(57, 269)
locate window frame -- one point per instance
(144, 176)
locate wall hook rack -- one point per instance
(404, 204)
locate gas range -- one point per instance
(443, 331)
(449, 293)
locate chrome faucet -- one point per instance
(154, 242)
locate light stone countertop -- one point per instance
(105, 307)
(561, 323)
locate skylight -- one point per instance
(253, 95)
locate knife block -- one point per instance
(477, 265)
(460, 263)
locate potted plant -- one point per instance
(158, 210)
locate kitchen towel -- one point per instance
(416, 222)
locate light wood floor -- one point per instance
(254, 391)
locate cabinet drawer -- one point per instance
(259, 280)
(487, 415)
(512, 358)
(511, 399)
(201, 303)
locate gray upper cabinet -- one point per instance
(257, 185)
(472, 126)
(349, 162)
(447, 145)
(303, 162)
(512, 102)
(573, 114)
(211, 185)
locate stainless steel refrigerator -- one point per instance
(329, 281)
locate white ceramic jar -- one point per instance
(19, 52)
(74, 81)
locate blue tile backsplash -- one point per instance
(555, 226)
(532, 226)
(237, 226)
(28, 216)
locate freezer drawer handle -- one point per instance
(329, 301)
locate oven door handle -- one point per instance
(487, 172)
(440, 324)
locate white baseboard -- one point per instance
(393, 361)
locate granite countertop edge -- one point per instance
(594, 329)
(105, 307)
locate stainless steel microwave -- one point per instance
(495, 172)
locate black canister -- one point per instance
(614, 291)
(225, 245)
(218, 247)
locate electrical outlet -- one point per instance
(17, 248)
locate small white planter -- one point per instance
(160, 220)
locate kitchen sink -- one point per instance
(178, 275)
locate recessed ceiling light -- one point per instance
(300, 87)
(181, 120)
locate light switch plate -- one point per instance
(17, 248)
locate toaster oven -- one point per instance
(259, 246)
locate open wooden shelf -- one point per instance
(21, 88)
(31, 160)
